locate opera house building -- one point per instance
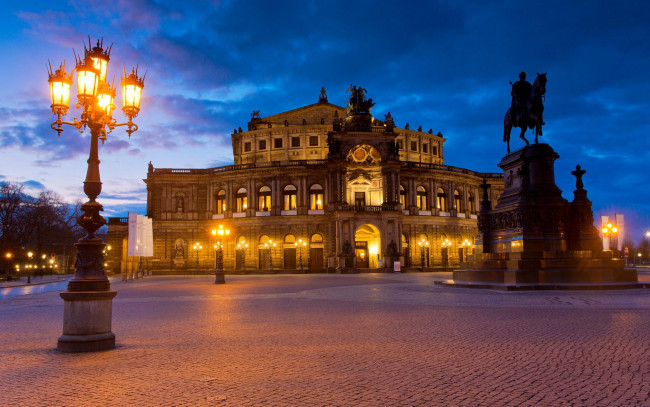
(318, 188)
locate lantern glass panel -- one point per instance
(60, 93)
(87, 83)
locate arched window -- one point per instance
(289, 198)
(221, 202)
(458, 202)
(264, 199)
(441, 200)
(241, 199)
(316, 197)
(402, 196)
(316, 238)
(471, 203)
(289, 239)
(421, 196)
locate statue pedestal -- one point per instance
(87, 321)
(535, 239)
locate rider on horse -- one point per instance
(520, 93)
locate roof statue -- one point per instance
(255, 114)
(322, 98)
(358, 103)
(527, 107)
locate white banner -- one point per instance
(140, 236)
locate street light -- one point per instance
(197, 247)
(424, 246)
(29, 268)
(271, 245)
(8, 257)
(300, 244)
(445, 249)
(87, 317)
(222, 233)
(609, 231)
(466, 247)
(241, 250)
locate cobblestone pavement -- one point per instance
(334, 340)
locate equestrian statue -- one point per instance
(527, 107)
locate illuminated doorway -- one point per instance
(367, 245)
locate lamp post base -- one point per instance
(87, 319)
(220, 277)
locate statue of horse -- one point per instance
(535, 108)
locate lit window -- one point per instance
(289, 198)
(421, 196)
(264, 199)
(471, 203)
(221, 202)
(316, 197)
(241, 198)
(441, 200)
(458, 202)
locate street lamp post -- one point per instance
(466, 248)
(241, 251)
(445, 249)
(8, 257)
(88, 300)
(300, 244)
(222, 233)
(197, 247)
(272, 245)
(29, 267)
(424, 253)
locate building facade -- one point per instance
(316, 188)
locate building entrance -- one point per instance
(367, 245)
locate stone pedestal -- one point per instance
(87, 319)
(220, 277)
(535, 239)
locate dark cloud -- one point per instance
(442, 65)
(31, 184)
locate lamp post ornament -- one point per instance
(89, 298)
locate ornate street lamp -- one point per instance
(466, 248)
(424, 252)
(8, 257)
(241, 250)
(222, 233)
(29, 268)
(271, 245)
(445, 249)
(197, 247)
(300, 244)
(88, 300)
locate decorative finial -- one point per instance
(322, 98)
(578, 173)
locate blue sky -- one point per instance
(443, 65)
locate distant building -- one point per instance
(317, 187)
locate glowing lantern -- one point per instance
(60, 83)
(87, 81)
(106, 98)
(131, 93)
